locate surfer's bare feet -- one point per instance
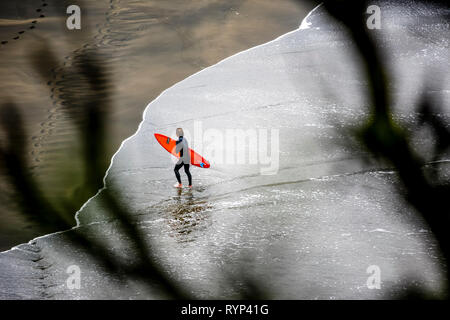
(190, 187)
(178, 185)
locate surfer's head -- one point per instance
(180, 132)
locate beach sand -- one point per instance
(146, 46)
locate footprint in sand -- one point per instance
(33, 23)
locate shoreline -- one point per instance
(173, 43)
(332, 213)
(302, 23)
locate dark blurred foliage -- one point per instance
(388, 141)
(88, 111)
(381, 135)
(90, 118)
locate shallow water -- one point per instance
(308, 230)
(146, 46)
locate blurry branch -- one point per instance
(87, 108)
(89, 115)
(381, 135)
(386, 139)
(12, 157)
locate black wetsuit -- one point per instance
(181, 163)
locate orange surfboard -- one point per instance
(169, 144)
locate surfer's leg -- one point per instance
(188, 173)
(177, 174)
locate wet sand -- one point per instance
(147, 46)
(311, 230)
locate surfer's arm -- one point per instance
(179, 146)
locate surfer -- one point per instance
(182, 147)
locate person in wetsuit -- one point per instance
(182, 147)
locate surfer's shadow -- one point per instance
(186, 215)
